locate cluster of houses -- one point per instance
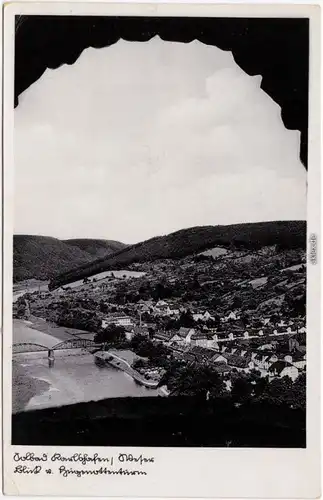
(215, 345)
(230, 320)
(118, 319)
(224, 359)
(160, 308)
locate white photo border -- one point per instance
(178, 472)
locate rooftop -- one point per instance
(279, 366)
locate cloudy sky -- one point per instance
(142, 139)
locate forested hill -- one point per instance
(43, 257)
(285, 234)
(97, 248)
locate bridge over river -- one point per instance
(73, 343)
(74, 377)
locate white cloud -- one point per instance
(140, 139)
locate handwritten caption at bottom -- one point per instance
(81, 464)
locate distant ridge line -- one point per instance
(188, 241)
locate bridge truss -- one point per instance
(77, 343)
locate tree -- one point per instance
(244, 318)
(77, 317)
(113, 336)
(196, 380)
(299, 392)
(241, 389)
(274, 318)
(260, 386)
(278, 391)
(21, 310)
(171, 324)
(237, 302)
(156, 353)
(139, 363)
(147, 317)
(186, 319)
(162, 291)
(104, 308)
(213, 322)
(195, 284)
(252, 303)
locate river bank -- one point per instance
(119, 360)
(74, 377)
(59, 332)
(25, 387)
(113, 359)
(24, 332)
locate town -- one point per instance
(222, 322)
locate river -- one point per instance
(74, 378)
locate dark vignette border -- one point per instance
(275, 48)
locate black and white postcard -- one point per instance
(161, 320)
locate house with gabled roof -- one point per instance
(183, 335)
(199, 339)
(222, 336)
(213, 335)
(235, 335)
(201, 354)
(144, 308)
(161, 304)
(118, 319)
(140, 330)
(204, 339)
(205, 316)
(219, 358)
(233, 315)
(241, 364)
(212, 342)
(241, 352)
(299, 360)
(262, 359)
(266, 347)
(163, 309)
(222, 368)
(163, 336)
(129, 331)
(282, 369)
(188, 356)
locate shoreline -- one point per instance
(121, 364)
(60, 332)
